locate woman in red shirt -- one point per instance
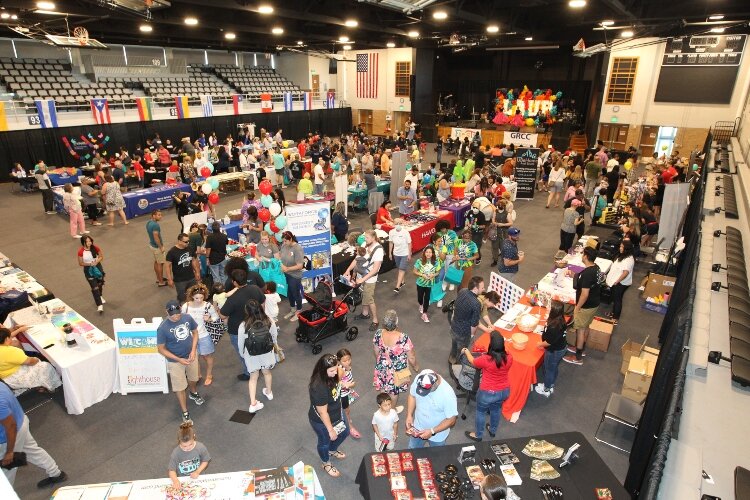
(494, 388)
(383, 218)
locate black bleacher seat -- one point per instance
(741, 483)
(740, 372)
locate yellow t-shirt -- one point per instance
(11, 359)
(305, 186)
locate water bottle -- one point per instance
(243, 239)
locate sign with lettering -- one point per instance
(462, 133)
(523, 139)
(526, 167)
(140, 367)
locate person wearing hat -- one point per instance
(431, 410)
(177, 340)
(510, 257)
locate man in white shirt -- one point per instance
(374, 255)
(399, 250)
(611, 164)
(200, 163)
(277, 138)
(320, 176)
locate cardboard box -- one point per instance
(633, 395)
(658, 284)
(657, 308)
(639, 375)
(632, 348)
(600, 333)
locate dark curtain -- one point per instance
(30, 146)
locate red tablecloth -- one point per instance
(523, 371)
(307, 166)
(421, 235)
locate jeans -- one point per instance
(217, 271)
(551, 365)
(92, 211)
(294, 292)
(97, 286)
(458, 342)
(491, 401)
(35, 455)
(234, 339)
(617, 292)
(318, 189)
(439, 156)
(477, 239)
(421, 443)
(325, 445)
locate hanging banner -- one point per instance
(459, 133)
(311, 224)
(140, 367)
(526, 165)
(266, 106)
(520, 139)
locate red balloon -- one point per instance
(264, 214)
(265, 187)
(205, 172)
(213, 198)
(273, 226)
(173, 168)
(171, 181)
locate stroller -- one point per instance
(325, 318)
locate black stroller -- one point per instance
(325, 318)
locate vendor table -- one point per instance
(234, 181)
(63, 175)
(328, 196)
(358, 196)
(577, 481)
(89, 374)
(232, 229)
(421, 234)
(459, 208)
(11, 277)
(156, 175)
(145, 201)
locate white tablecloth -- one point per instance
(88, 375)
(512, 187)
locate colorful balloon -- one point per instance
(264, 214)
(360, 239)
(274, 227)
(281, 221)
(213, 198)
(278, 236)
(529, 122)
(206, 188)
(266, 200)
(205, 172)
(214, 183)
(275, 209)
(267, 228)
(265, 187)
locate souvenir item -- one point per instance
(407, 461)
(510, 474)
(542, 450)
(475, 475)
(500, 449)
(398, 482)
(541, 469)
(379, 465)
(602, 494)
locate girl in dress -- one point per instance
(347, 384)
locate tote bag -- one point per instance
(453, 275)
(271, 271)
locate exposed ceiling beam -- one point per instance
(618, 7)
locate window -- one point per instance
(403, 74)
(622, 80)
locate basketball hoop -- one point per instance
(82, 35)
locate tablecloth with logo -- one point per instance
(145, 201)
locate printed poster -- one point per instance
(311, 224)
(140, 367)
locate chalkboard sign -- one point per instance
(526, 164)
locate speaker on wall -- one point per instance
(412, 86)
(332, 66)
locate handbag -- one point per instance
(401, 377)
(215, 329)
(492, 233)
(453, 275)
(271, 271)
(436, 292)
(279, 352)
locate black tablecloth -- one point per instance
(148, 177)
(577, 481)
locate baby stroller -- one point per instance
(325, 318)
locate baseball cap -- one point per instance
(426, 381)
(173, 307)
(514, 231)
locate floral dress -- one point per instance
(390, 360)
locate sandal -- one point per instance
(331, 470)
(209, 380)
(338, 454)
(354, 433)
(374, 326)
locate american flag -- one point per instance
(367, 75)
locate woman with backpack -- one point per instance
(256, 337)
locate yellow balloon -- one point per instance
(553, 98)
(529, 122)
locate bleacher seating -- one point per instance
(195, 84)
(256, 80)
(739, 307)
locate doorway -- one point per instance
(614, 135)
(665, 140)
(316, 87)
(648, 140)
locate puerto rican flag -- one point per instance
(307, 101)
(237, 103)
(100, 110)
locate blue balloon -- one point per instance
(336, 166)
(281, 221)
(266, 200)
(360, 239)
(267, 228)
(278, 236)
(214, 183)
(426, 179)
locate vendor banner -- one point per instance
(520, 139)
(311, 224)
(525, 176)
(459, 133)
(140, 367)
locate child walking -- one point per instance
(271, 305)
(189, 458)
(347, 384)
(385, 423)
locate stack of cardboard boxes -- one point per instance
(657, 289)
(600, 333)
(638, 363)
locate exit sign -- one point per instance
(613, 119)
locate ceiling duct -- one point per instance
(406, 6)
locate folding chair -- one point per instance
(622, 412)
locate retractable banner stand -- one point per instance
(398, 173)
(526, 165)
(311, 224)
(672, 209)
(140, 367)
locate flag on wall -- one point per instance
(266, 106)
(367, 75)
(47, 112)
(307, 101)
(288, 102)
(237, 103)
(3, 118)
(100, 110)
(181, 104)
(144, 109)
(207, 103)
(330, 99)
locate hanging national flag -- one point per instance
(288, 102)
(3, 118)
(307, 101)
(47, 113)
(181, 104)
(367, 75)
(580, 46)
(266, 106)
(207, 103)
(237, 103)
(144, 109)
(330, 99)
(100, 110)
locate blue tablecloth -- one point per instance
(63, 178)
(145, 201)
(459, 209)
(233, 229)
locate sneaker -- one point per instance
(268, 394)
(49, 481)
(256, 407)
(290, 314)
(396, 289)
(294, 317)
(399, 408)
(100, 309)
(186, 417)
(103, 301)
(540, 389)
(572, 350)
(243, 376)
(440, 303)
(196, 397)
(452, 287)
(75, 236)
(50, 212)
(425, 318)
(570, 358)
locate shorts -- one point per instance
(159, 256)
(391, 444)
(206, 345)
(556, 187)
(584, 317)
(344, 401)
(368, 294)
(401, 262)
(179, 374)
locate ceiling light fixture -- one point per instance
(529, 38)
(300, 42)
(191, 21)
(343, 39)
(493, 28)
(4, 15)
(45, 5)
(413, 34)
(440, 15)
(230, 36)
(14, 17)
(265, 9)
(716, 17)
(146, 28)
(718, 30)
(277, 31)
(390, 45)
(347, 47)
(607, 23)
(577, 4)
(626, 34)
(351, 23)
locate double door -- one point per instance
(614, 135)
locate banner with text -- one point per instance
(140, 367)
(311, 224)
(523, 139)
(526, 165)
(459, 133)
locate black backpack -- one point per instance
(259, 340)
